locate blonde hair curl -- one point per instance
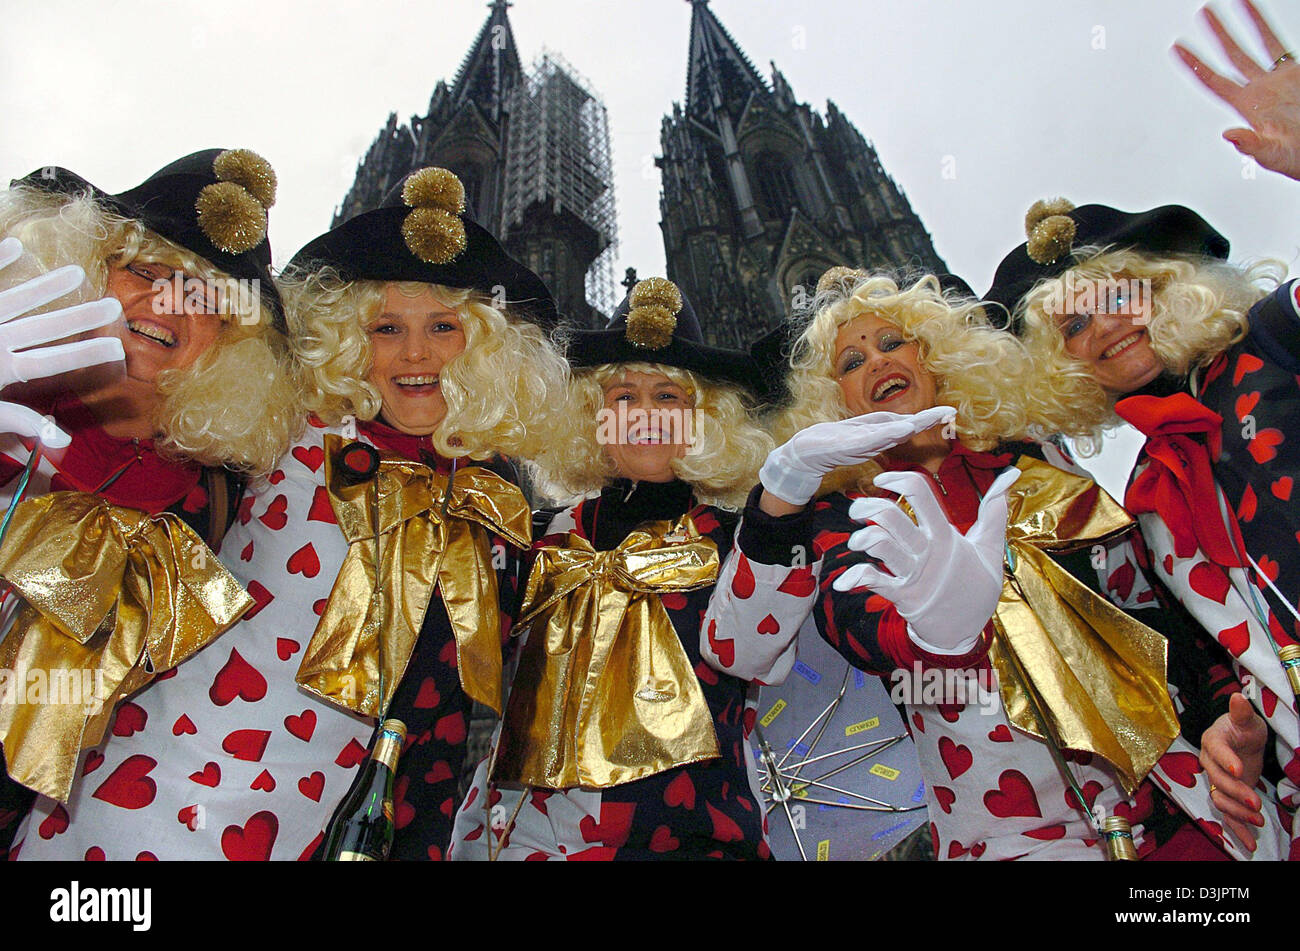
(1200, 308)
(502, 391)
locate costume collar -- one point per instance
(415, 448)
(959, 456)
(147, 481)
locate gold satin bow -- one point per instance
(605, 693)
(1097, 674)
(113, 597)
(425, 537)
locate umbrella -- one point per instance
(837, 769)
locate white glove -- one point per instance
(793, 471)
(946, 585)
(19, 334)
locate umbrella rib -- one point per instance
(881, 807)
(841, 768)
(844, 792)
(824, 718)
(884, 744)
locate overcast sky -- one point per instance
(976, 108)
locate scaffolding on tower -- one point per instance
(559, 155)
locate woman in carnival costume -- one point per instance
(650, 618)
(1141, 316)
(1144, 313)
(375, 553)
(1059, 739)
(159, 447)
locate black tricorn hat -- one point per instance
(212, 203)
(655, 323)
(421, 233)
(1056, 227)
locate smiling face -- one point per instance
(1106, 328)
(156, 333)
(878, 369)
(648, 411)
(411, 340)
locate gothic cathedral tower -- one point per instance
(532, 149)
(761, 195)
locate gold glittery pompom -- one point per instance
(232, 219)
(247, 168)
(650, 326)
(656, 290)
(839, 275)
(1051, 238)
(435, 188)
(1043, 209)
(433, 235)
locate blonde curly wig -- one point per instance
(1199, 309)
(723, 461)
(235, 406)
(972, 363)
(502, 392)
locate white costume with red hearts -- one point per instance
(228, 757)
(1226, 612)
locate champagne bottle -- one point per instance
(361, 829)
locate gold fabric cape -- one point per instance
(425, 537)
(605, 692)
(1098, 675)
(113, 597)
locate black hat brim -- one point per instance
(593, 348)
(1169, 229)
(165, 204)
(370, 246)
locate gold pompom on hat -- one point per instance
(433, 230)
(213, 203)
(1050, 230)
(656, 302)
(232, 210)
(249, 171)
(655, 323)
(839, 276)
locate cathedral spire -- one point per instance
(719, 73)
(492, 66)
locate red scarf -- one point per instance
(1178, 482)
(144, 479)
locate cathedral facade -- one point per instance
(761, 194)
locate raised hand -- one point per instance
(946, 585)
(19, 364)
(1269, 99)
(793, 471)
(1232, 755)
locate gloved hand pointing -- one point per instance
(794, 470)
